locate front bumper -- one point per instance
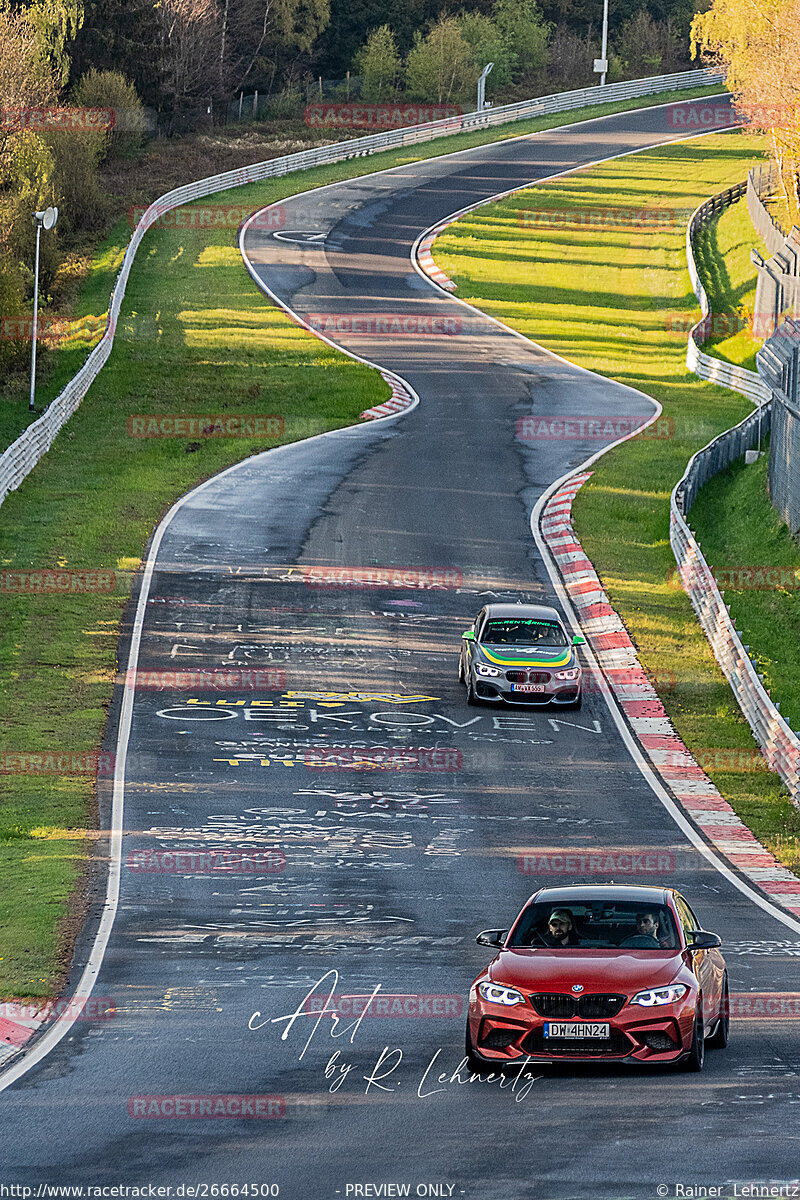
(498, 690)
(501, 1034)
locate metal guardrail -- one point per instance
(779, 744)
(762, 180)
(707, 366)
(22, 455)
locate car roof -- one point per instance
(601, 891)
(540, 612)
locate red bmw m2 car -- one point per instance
(600, 973)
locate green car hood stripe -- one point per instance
(524, 660)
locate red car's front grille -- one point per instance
(557, 1004)
(618, 1045)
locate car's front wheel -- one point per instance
(473, 1062)
(471, 697)
(720, 1037)
(697, 1053)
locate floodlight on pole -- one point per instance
(43, 220)
(482, 86)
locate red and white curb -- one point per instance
(671, 759)
(18, 1022)
(399, 401)
(426, 261)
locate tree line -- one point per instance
(759, 47)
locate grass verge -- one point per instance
(201, 340)
(608, 295)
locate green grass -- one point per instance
(608, 298)
(722, 254)
(738, 527)
(200, 339)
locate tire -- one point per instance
(721, 1035)
(472, 699)
(697, 1054)
(473, 1062)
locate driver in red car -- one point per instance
(561, 929)
(647, 925)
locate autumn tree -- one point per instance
(758, 44)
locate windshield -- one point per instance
(516, 631)
(597, 925)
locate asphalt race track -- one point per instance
(388, 874)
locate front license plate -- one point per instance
(527, 687)
(577, 1029)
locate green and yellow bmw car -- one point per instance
(520, 654)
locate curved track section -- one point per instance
(331, 580)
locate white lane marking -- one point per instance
(29, 1058)
(554, 723)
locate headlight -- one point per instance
(662, 995)
(482, 669)
(496, 994)
(570, 673)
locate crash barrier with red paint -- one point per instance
(670, 758)
(22, 455)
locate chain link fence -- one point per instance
(779, 366)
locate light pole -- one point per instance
(482, 87)
(43, 220)
(601, 63)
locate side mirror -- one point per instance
(578, 640)
(492, 937)
(468, 635)
(701, 940)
